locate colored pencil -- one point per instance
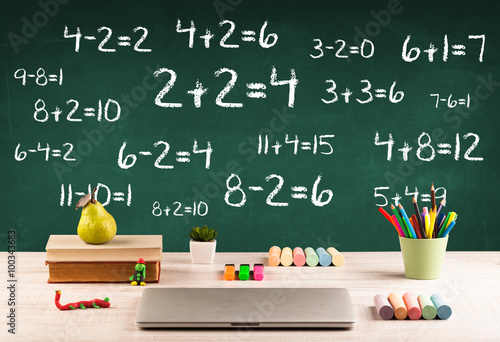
(442, 216)
(398, 227)
(407, 220)
(388, 217)
(425, 210)
(452, 218)
(398, 218)
(447, 231)
(413, 221)
(403, 220)
(431, 225)
(443, 225)
(419, 218)
(427, 225)
(433, 197)
(438, 213)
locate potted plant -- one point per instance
(202, 245)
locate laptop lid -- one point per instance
(245, 308)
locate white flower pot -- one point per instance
(202, 252)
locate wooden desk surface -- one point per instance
(470, 282)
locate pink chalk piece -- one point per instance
(258, 272)
(412, 305)
(384, 308)
(299, 258)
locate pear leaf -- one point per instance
(82, 202)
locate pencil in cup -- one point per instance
(419, 218)
(447, 230)
(438, 215)
(389, 218)
(413, 221)
(398, 219)
(407, 220)
(402, 234)
(445, 223)
(432, 216)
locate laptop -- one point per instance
(245, 308)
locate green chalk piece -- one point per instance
(311, 256)
(428, 309)
(443, 309)
(244, 272)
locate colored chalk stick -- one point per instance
(384, 308)
(443, 309)
(244, 272)
(412, 306)
(299, 258)
(324, 258)
(274, 256)
(398, 305)
(337, 258)
(428, 309)
(229, 272)
(286, 256)
(311, 257)
(258, 272)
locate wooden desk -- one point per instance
(470, 282)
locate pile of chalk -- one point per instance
(409, 305)
(309, 256)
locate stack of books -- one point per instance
(71, 260)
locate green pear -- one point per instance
(96, 225)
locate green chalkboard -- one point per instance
(161, 102)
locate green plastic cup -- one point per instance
(423, 258)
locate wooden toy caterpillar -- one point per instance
(94, 303)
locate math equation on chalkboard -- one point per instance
(226, 91)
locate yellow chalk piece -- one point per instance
(337, 258)
(286, 256)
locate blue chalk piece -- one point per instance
(325, 259)
(443, 309)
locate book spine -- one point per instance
(118, 275)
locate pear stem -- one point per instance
(92, 199)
